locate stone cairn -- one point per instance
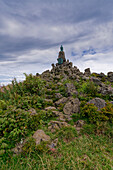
(65, 69)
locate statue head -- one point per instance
(61, 48)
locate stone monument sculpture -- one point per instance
(61, 57)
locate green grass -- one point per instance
(85, 152)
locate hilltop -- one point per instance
(60, 119)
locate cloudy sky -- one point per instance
(31, 32)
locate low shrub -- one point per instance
(29, 146)
(91, 112)
(107, 112)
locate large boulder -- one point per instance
(110, 76)
(87, 72)
(71, 89)
(72, 106)
(39, 136)
(98, 102)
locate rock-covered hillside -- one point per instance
(47, 116)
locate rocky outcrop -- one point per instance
(72, 106)
(66, 70)
(98, 102)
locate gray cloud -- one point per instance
(32, 31)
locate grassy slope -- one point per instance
(85, 152)
(91, 149)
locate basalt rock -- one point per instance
(61, 101)
(110, 76)
(70, 88)
(56, 125)
(96, 81)
(87, 72)
(98, 102)
(58, 96)
(80, 123)
(39, 136)
(72, 106)
(32, 111)
(50, 108)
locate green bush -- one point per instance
(33, 84)
(91, 112)
(89, 88)
(107, 112)
(3, 105)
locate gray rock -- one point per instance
(39, 136)
(87, 72)
(61, 101)
(80, 123)
(48, 100)
(110, 76)
(71, 89)
(96, 81)
(106, 90)
(56, 125)
(85, 78)
(101, 75)
(50, 108)
(58, 96)
(32, 111)
(98, 102)
(72, 106)
(59, 84)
